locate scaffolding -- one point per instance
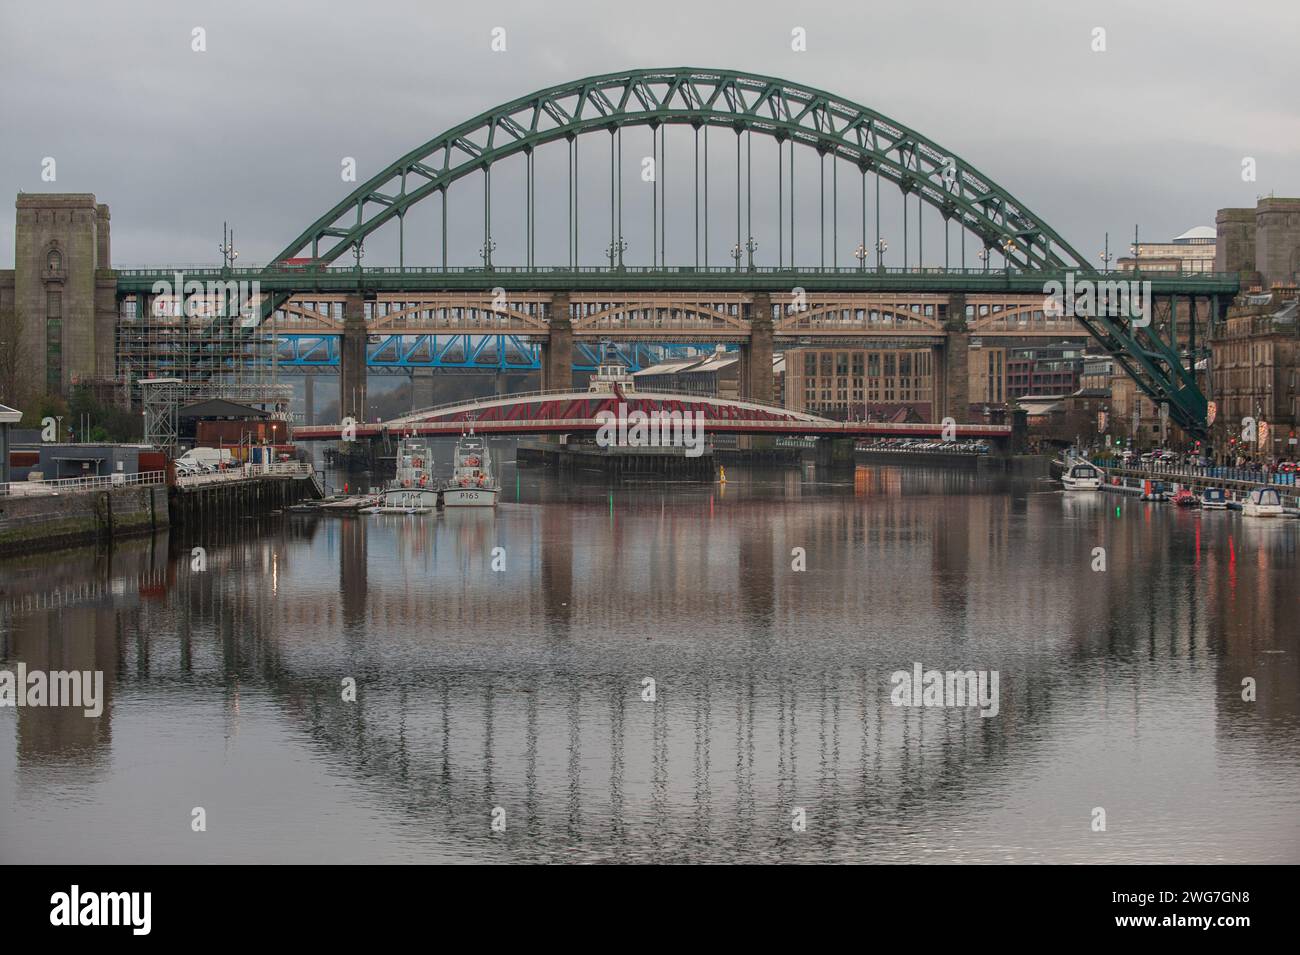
(207, 344)
(161, 398)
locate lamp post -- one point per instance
(615, 251)
(1008, 250)
(1105, 255)
(227, 247)
(736, 253)
(358, 253)
(860, 253)
(751, 247)
(881, 248)
(485, 253)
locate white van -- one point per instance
(204, 458)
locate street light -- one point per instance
(983, 256)
(860, 253)
(227, 247)
(881, 248)
(736, 253)
(1105, 255)
(751, 247)
(485, 253)
(615, 251)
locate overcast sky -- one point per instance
(1153, 130)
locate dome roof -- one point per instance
(1197, 232)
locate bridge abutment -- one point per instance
(352, 359)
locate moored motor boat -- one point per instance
(1154, 491)
(1214, 498)
(1184, 497)
(1082, 476)
(1262, 502)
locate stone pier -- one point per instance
(352, 359)
(756, 355)
(557, 352)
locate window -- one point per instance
(53, 342)
(54, 261)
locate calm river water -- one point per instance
(517, 694)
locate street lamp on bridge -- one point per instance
(1105, 255)
(860, 253)
(485, 253)
(881, 248)
(615, 251)
(227, 247)
(751, 247)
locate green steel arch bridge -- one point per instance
(999, 257)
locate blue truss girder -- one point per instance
(486, 352)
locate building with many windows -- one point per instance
(1193, 251)
(987, 374)
(847, 383)
(1043, 370)
(1255, 362)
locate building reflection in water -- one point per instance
(522, 689)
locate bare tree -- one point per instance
(13, 357)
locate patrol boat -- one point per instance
(472, 482)
(413, 489)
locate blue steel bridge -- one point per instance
(826, 273)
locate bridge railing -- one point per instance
(486, 400)
(845, 270)
(79, 484)
(247, 471)
(752, 425)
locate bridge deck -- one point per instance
(684, 278)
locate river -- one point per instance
(670, 672)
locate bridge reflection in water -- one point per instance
(522, 689)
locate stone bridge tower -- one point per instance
(63, 292)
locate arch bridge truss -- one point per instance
(1000, 247)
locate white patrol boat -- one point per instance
(413, 489)
(472, 482)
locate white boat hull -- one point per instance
(470, 496)
(1081, 484)
(1261, 510)
(402, 498)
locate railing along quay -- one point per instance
(1238, 481)
(78, 484)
